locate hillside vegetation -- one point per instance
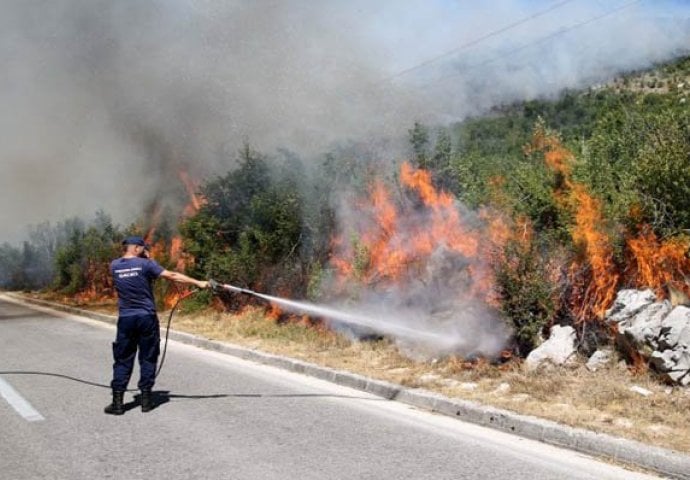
(578, 182)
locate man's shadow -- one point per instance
(161, 397)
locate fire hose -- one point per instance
(216, 289)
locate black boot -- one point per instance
(117, 407)
(146, 401)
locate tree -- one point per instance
(419, 139)
(251, 224)
(441, 162)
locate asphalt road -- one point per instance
(222, 417)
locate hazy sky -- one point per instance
(102, 100)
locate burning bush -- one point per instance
(418, 257)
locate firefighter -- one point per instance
(137, 324)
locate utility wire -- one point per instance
(544, 39)
(478, 40)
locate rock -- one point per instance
(628, 303)
(652, 330)
(642, 331)
(502, 388)
(598, 360)
(672, 359)
(642, 391)
(675, 329)
(429, 377)
(468, 386)
(558, 349)
(674, 365)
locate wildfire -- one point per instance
(593, 274)
(192, 187)
(395, 242)
(658, 264)
(171, 249)
(603, 277)
(446, 225)
(275, 312)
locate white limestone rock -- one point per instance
(599, 359)
(628, 303)
(557, 350)
(672, 359)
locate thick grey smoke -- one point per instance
(103, 101)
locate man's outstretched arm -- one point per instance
(182, 278)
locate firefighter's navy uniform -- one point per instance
(137, 325)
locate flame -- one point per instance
(658, 264)
(173, 296)
(593, 274)
(446, 224)
(275, 312)
(196, 201)
(603, 277)
(154, 220)
(172, 250)
(395, 237)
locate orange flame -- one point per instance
(196, 201)
(446, 224)
(394, 241)
(172, 297)
(594, 274)
(657, 264)
(588, 233)
(173, 249)
(275, 312)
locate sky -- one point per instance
(103, 101)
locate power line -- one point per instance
(544, 39)
(478, 40)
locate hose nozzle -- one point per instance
(216, 287)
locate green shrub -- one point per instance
(527, 295)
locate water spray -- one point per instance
(349, 318)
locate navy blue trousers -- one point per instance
(137, 331)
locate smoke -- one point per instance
(431, 319)
(415, 257)
(104, 101)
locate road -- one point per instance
(223, 417)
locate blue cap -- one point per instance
(134, 240)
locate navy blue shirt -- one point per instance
(133, 279)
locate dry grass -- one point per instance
(601, 401)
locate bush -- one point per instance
(250, 225)
(527, 294)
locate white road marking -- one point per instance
(19, 403)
